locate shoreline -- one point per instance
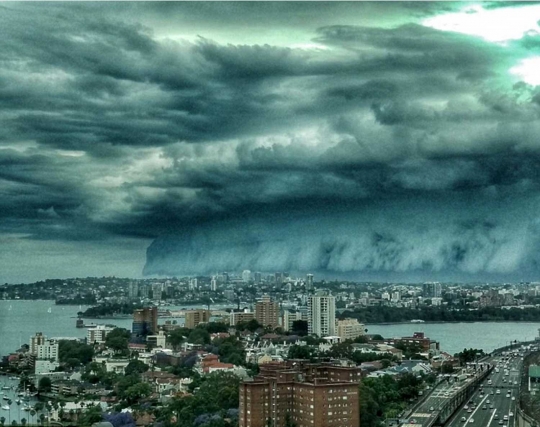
(434, 322)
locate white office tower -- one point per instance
(213, 284)
(322, 315)
(193, 284)
(246, 276)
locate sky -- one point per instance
(368, 140)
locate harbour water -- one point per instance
(19, 320)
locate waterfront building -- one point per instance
(97, 334)
(37, 339)
(145, 321)
(133, 290)
(267, 312)
(432, 290)
(306, 394)
(322, 315)
(194, 317)
(349, 329)
(48, 350)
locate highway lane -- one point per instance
(500, 404)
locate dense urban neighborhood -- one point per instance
(219, 364)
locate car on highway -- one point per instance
(513, 398)
(432, 408)
(505, 418)
(511, 414)
(471, 420)
(463, 419)
(487, 402)
(508, 395)
(466, 407)
(501, 422)
(496, 416)
(469, 410)
(498, 392)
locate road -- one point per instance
(493, 402)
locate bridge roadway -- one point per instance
(500, 404)
(443, 400)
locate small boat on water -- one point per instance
(5, 407)
(27, 408)
(6, 387)
(18, 401)
(5, 397)
(13, 378)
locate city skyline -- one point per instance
(376, 140)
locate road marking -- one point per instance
(491, 419)
(477, 408)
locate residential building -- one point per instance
(97, 334)
(133, 290)
(322, 315)
(309, 395)
(349, 329)
(267, 312)
(241, 316)
(246, 276)
(289, 317)
(194, 317)
(145, 321)
(309, 282)
(38, 339)
(45, 366)
(432, 290)
(48, 351)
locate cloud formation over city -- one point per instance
(352, 138)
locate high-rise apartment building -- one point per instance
(48, 350)
(133, 290)
(246, 276)
(432, 290)
(36, 340)
(194, 317)
(257, 277)
(267, 312)
(309, 282)
(322, 315)
(193, 284)
(213, 284)
(145, 321)
(301, 393)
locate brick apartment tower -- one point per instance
(267, 312)
(310, 395)
(145, 321)
(194, 317)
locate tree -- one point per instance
(23, 421)
(300, 327)
(177, 336)
(137, 392)
(118, 339)
(44, 385)
(2, 420)
(136, 366)
(90, 416)
(199, 336)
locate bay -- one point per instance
(19, 320)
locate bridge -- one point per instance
(488, 397)
(447, 396)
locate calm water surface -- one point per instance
(19, 320)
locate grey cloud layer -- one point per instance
(110, 130)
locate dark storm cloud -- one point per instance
(110, 129)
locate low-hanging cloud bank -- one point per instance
(500, 236)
